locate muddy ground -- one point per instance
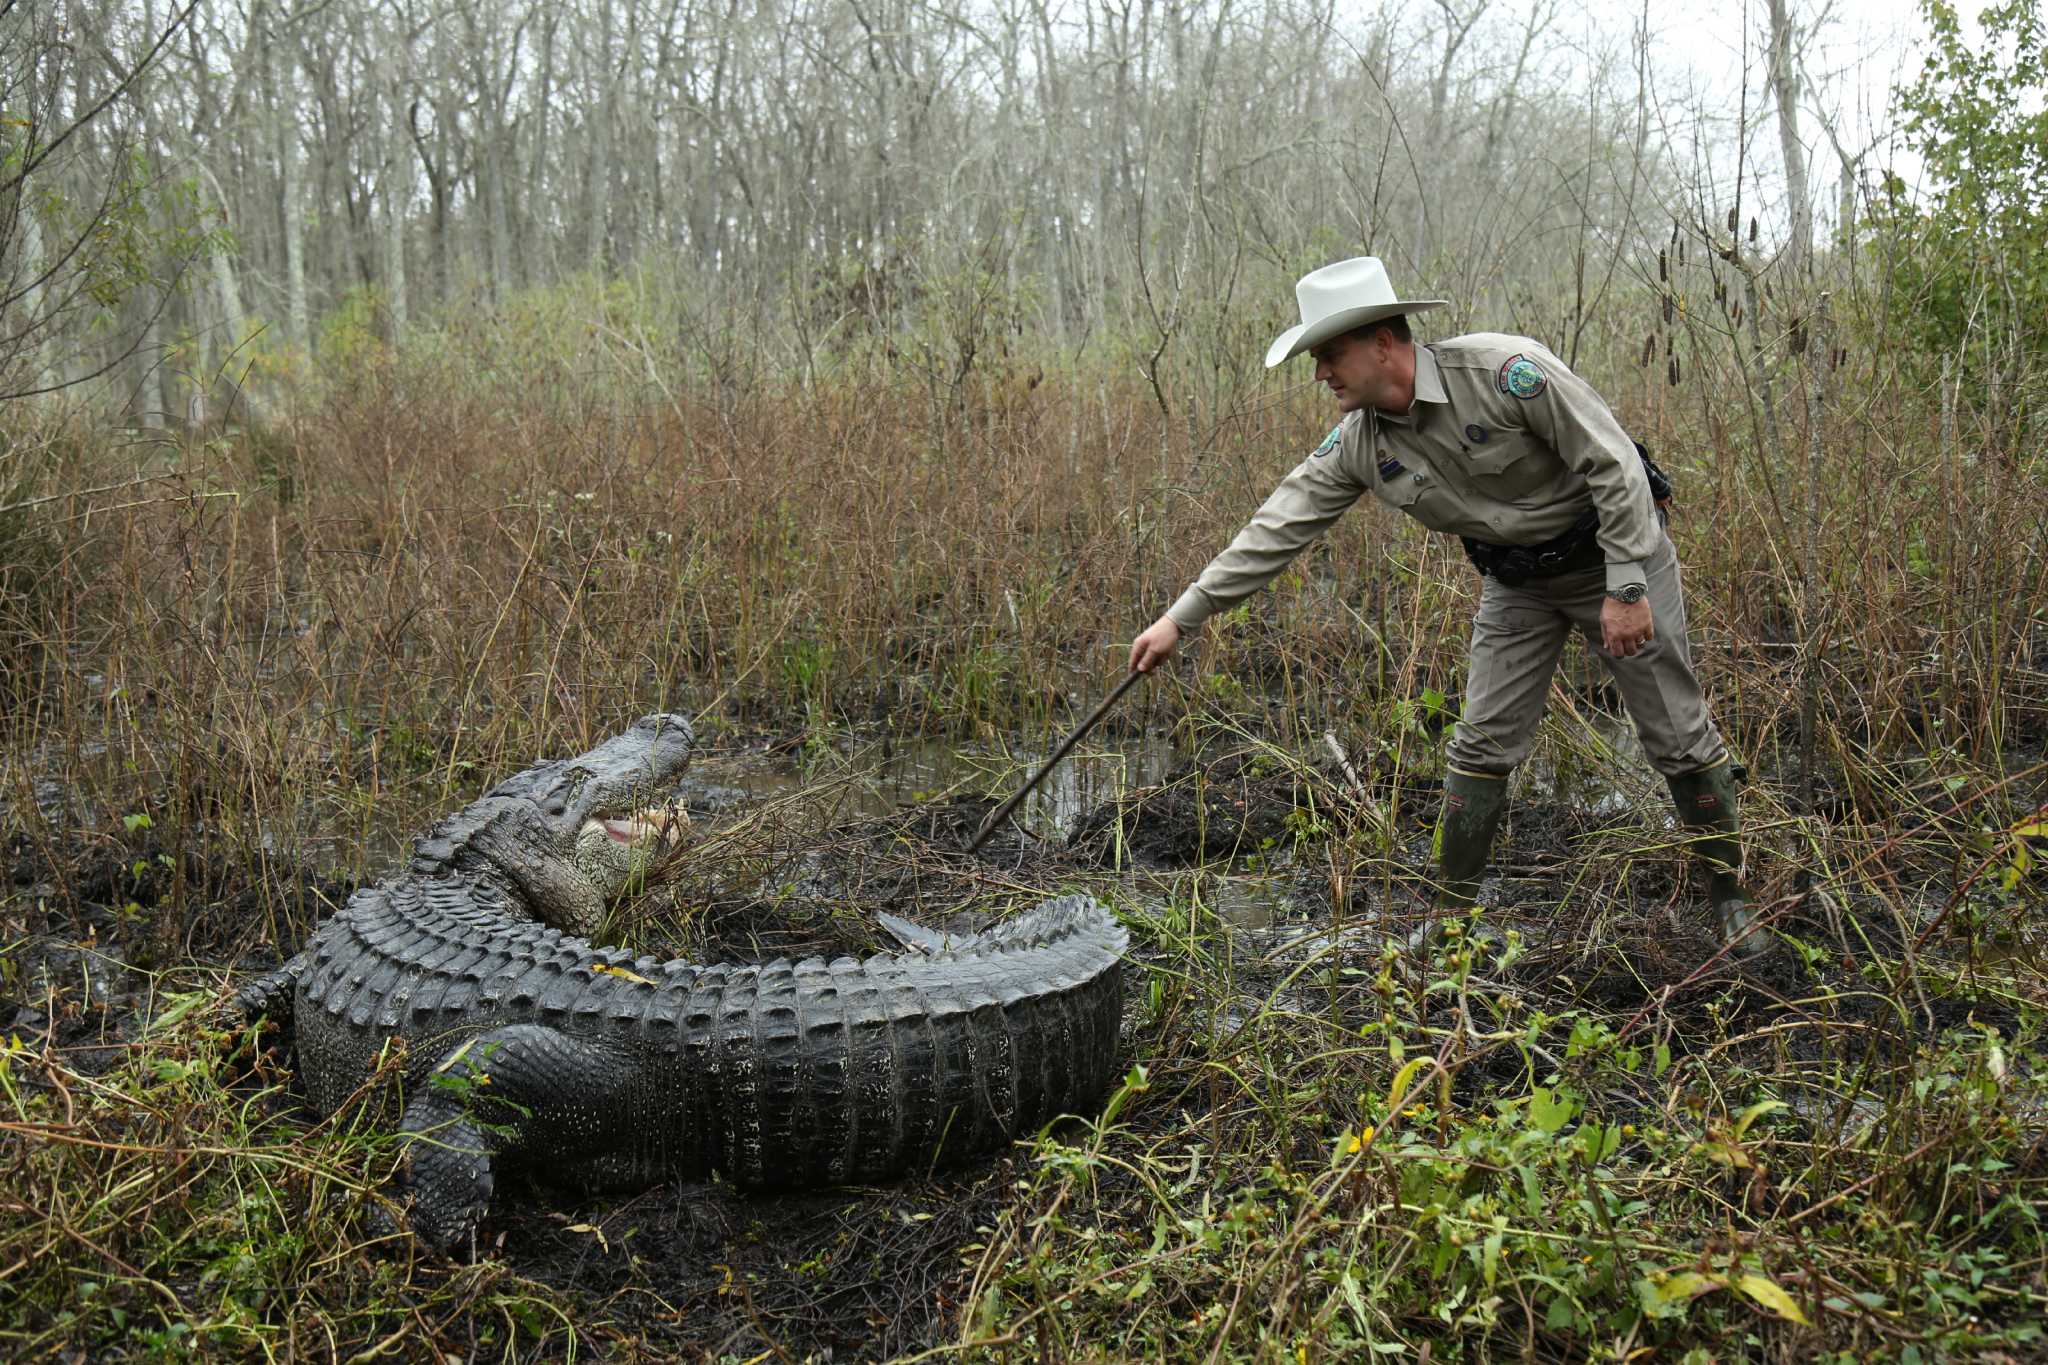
(98, 928)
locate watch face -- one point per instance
(1629, 595)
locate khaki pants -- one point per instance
(1517, 638)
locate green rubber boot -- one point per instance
(1706, 802)
(1464, 839)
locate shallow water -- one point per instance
(878, 777)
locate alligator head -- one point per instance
(567, 836)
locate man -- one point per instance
(1491, 438)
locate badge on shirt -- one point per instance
(1477, 434)
(1522, 377)
(1329, 442)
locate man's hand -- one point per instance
(1157, 644)
(1625, 627)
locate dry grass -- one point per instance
(312, 637)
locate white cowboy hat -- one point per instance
(1338, 298)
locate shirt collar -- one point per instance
(1429, 388)
(1429, 379)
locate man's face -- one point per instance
(1361, 371)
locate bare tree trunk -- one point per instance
(597, 171)
(434, 164)
(395, 173)
(29, 328)
(228, 296)
(1784, 77)
(283, 130)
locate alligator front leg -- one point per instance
(522, 1094)
(271, 999)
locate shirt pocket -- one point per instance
(1511, 469)
(1422, 498)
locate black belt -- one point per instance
(1514, 565)
(1576, 549)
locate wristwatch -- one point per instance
(1628, 594)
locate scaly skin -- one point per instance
(526, 1044)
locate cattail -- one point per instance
(1681, 253)
(1752, 232)
(1663, 270)
(1731, 220)
(1672, 373)
(1649, 349)
(1736, 316)
(1667, 307)
(1796, 340)
(1674, 232)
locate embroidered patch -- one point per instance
(1522, 377)
(1477, 434)
(1329, 442)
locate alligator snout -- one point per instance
(626, 780)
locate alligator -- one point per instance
(523, 1045)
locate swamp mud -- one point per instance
(1268, 892)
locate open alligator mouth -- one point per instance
(653, 825)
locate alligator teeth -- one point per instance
(654, 825)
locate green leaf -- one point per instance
(1772, 1296)
(1667, 1297)
(1550, 1110)
(1402, 1080)
(1356, 1300)
(1755, 1112)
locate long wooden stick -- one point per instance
(995, 818)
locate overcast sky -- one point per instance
(1864, 50)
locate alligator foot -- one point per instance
(523, 1093)
(447, 1171)
(269, 1000)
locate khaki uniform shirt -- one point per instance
(1503, 443)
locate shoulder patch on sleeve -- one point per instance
(1521, 377)
(1329, 442)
